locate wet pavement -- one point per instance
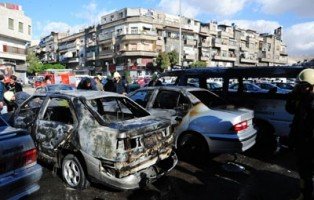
(271, 178)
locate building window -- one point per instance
(20, 27)
(134, 30)
(11, 24)
(29, 30)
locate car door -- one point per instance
(55, 125)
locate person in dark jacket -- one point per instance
(120, 84)
(301, 103)
(85, 84)
(155, 81)
(2, 90)
(109, 85)
(14, 86)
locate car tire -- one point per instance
(73, 173)
(192, 148)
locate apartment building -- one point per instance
(15, 35)
(131, 38)
(137, 35)
(47, 49)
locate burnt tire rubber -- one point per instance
(192, 148)
(73, 173)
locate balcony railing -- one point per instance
(223, 57)
(138, 37)
(190, 42)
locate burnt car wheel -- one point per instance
(192, 148)
(73, 173)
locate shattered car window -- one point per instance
(58, 110)
(117, 109)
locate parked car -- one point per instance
(205, 123)
(98, 136)
(286, 86)
(272, 88)
(19, 171)
(247, 87)
(54, 88)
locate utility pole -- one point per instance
(180, 34)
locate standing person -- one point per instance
(301, 104)
(99, 85)
(14, 86)
(85, 84)
(155, 81)
(109, 86)
(2, 90)
(120, 84)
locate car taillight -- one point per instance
(26, 158)
(30, 156)
(240, 126)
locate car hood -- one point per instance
(139, 126)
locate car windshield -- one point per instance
(209, 99)
(113, 109)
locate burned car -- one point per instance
(203, 122)
(98, 136)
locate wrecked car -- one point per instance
(98, 136)
(203, 123)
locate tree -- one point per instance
(199, 64)
(163, 60)
(52, 66)
(34, 64)
(173, 58)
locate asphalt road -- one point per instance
(274, 178)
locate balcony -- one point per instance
(90, 56)
(104, 37)
(190, 42)
(204, 30)
(139, 53)
(73, 60)
(204, 58)
(247, 60)
(266, 60)
(206, 43)
(189, 57)
(138, 37)
(225, 34)
(224, 58)
(283, 53)
(219, 44)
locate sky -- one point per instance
(295, 16)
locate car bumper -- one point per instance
(232, 144)
(20, 183)
(141, 178)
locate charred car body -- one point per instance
(98, 136)
(205, 122)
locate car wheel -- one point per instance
(73, 173)
(191, 148)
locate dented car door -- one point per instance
(55, 125)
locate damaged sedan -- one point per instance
(98, 136)
(203, 122)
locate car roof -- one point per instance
(87, 94)
(177, 88)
